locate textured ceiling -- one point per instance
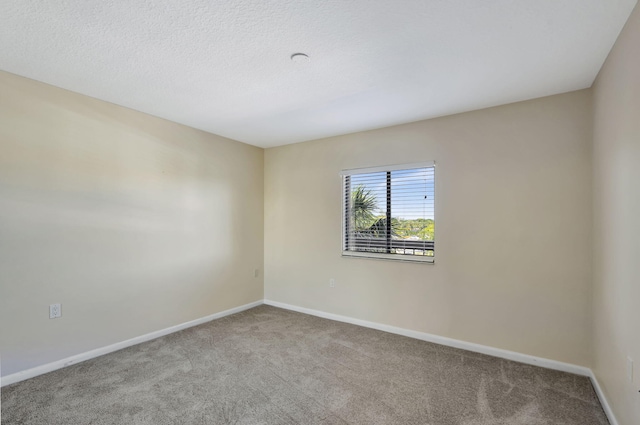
(223, 66)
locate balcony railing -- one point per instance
(398, 246)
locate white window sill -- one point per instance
(423, 259)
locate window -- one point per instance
(389, 212)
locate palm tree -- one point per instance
(363, 205)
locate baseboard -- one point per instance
(470, 346)
(603, 399)
(478, 348)
(50, 367)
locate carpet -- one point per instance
(272, 366)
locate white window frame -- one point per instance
(375, 255)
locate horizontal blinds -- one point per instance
(390, 211)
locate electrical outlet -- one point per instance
(55, 311)
(332, 283)
(630, 369)
(256, 272)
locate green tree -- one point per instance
(423, 228)
(363, 207)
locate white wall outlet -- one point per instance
(332, 283)
(55, 311)
(630, 369)
(256, 272)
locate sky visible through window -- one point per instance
(412, 192)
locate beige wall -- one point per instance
(132, 222)
(513, 228)
(617, 223)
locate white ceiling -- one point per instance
(223, 65)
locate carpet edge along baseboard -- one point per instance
(437, 339)
(464, 345)
(87, 355)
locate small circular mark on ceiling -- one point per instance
(300, 58)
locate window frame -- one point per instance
(419, 259)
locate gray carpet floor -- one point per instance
(272, 366)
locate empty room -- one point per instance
(339, 212)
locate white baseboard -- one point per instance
(603, 399)
(470, 346)
(50, 367)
